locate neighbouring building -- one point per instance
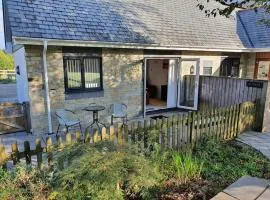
(71, 53)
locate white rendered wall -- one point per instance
(2, 38)
(21, 78)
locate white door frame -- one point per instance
(156, 57)
(197, 79)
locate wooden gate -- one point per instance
(14, 117)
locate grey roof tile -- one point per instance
(163, 22)
(257, 34)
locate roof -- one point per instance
(174, 23)
(258, 33)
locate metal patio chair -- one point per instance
(118, 110)
(67, 118)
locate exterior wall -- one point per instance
(266, 120)
(122, 80)
(215, 57)
(21, 78)
(247, 65)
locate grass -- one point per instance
(105, 171)
(225, 162)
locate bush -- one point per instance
(104, 171)
(24, 183)
(225, 162)
(186, 166)
(6, 61)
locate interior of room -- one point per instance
(156, 84)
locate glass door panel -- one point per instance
(188, 86)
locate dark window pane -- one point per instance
(92, 73)
(74, 78)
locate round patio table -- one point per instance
(95, 109)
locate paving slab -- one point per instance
(247, 188)
(265, 195)
(223, 196)
(259, 141)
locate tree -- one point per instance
(228, 6)
(6, 61)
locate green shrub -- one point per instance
(6, 61)
(24, 183)
(104, 171)
(186, 166)
(225, 162)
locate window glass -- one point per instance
(83, 73)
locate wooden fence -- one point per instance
(14, 117)
(216, 92)
(7, 75)
(176, 132)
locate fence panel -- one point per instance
(216, 92)
(177, 132)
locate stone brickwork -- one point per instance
(266, 121)
(247, 65)
(122, 80)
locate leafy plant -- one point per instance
(6, 61)
(24, 183)
(225, 162)
(186, 166)
(104, 171)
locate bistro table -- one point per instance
(95, 109)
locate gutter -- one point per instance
(47, 94)
(81, 43)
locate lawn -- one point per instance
(107, 171)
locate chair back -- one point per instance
(62, 116)
(118, 108)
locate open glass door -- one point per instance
(188, 86)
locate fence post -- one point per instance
(39, 151)
(15, 153)
(27, 152)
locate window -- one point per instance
(230, 67)
(83, 73)
(208, 68)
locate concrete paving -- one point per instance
(246, 188)
(259, 141)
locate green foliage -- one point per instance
(186, 166)
(104, 171)
(24, 184)
(6, 61)
(225, 162)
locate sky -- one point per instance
(2, 40)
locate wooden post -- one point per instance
(15, 153)
(3, 156)
(49, 147)
(39, 151)
(27, 152)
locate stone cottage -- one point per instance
(71, 53)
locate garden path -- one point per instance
(246, 188)
(259, 141)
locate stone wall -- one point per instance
(247, 66)
(122, 81)
(266, 121)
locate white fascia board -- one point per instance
(80, 43)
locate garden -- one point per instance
(108, 171)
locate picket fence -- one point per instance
(180, 131)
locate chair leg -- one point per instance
(111, 120)
(57, 129)
(80, 128)
(67, 129)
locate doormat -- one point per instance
(158, 117)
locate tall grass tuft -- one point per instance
(186, 166)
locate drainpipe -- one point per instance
(48, 101)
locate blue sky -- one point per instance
(2, 41)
